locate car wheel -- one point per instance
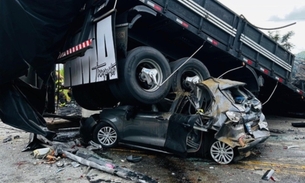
(221, 152)
(193, 70)
(141, 74)
(94, 96)
(105, 134)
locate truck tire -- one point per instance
(134, 84)
(191, 69)
(94, 96)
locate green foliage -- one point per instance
(283, 40)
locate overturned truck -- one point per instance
(127, 52)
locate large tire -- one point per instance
(190, 69)
(133, 87)
(94, 96)
(106, 135)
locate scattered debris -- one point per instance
(298, 124)
(94, 146)
(75, 164)
(7, 139)
(59, 170)
(59, 164)
(112, 169)
(134, 159)
(292, 146)
(41, 153)
(276, 131)
(268, 175)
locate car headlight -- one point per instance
(234, 116)
(257, 105)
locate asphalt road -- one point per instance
(283, 152)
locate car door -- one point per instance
(146, 128)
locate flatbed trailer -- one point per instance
(176, 28)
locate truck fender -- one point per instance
(140, 9)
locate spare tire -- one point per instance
(140, 75)
(94, 96)
(193, 69)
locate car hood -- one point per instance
(215, 84)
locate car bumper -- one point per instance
(260, 137)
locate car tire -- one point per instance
(106, 135)
(94, 96)
(191, 68)
(134, 86)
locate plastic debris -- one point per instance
(7, 139)
(268, 175)
(94, 146)
(59, 170)
(292, 146)
(134, 159)
(59, 164)
(41, 153)
(75, 164)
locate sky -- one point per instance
(274, 13)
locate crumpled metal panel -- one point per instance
(221, 104)
(233, 133)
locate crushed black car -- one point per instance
(219, 118)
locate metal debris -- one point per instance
(292, 146)
(94, 146)
(268, 175)
(7, 139)
(41, 153)
(134, 159)
(112, 169)
(75, 164)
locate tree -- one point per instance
(283, 40)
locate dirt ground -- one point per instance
(283, 152)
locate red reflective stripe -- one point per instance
(248, 61)
(264, 70)
(214, 42)
(185, 24)
(76, 48)
(157, 7)
(300, 91)
(279, 79)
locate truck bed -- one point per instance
(229, 39)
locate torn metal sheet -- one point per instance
(16, 111)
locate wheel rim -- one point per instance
(107, 136)
(190, 74)
(195, 77)
(149, 74)
(221, 152)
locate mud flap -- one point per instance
(178, 128)
(16, 111)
